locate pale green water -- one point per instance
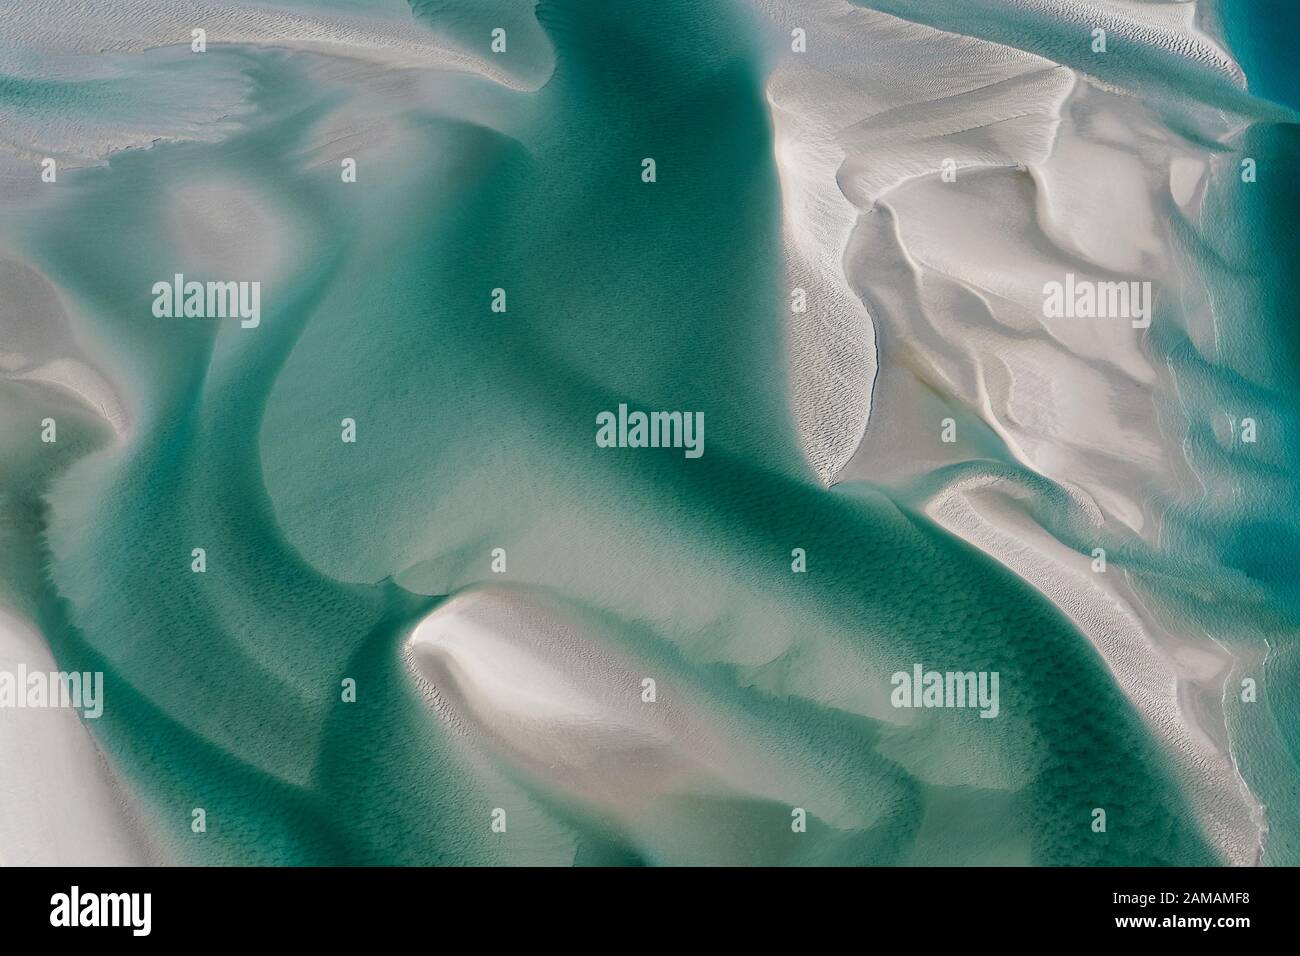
(475, 431)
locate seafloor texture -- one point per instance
(374, 570)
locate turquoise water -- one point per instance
(1261, 538)
(475, 431)
(1259, 32)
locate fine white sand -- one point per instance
(60, 804)
(127, 101)
(515, 675)
(1056, 173)
(389, 33)
(39, 344)
(1176, 680)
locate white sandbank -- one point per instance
(1174, 680)
(1055, 173)
(389, 34)
(513, 675)
(40, 344)
(60, 804)
(176, 94)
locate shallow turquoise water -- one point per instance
(476, 431)
(1261, 538)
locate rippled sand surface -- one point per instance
(363, 581)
